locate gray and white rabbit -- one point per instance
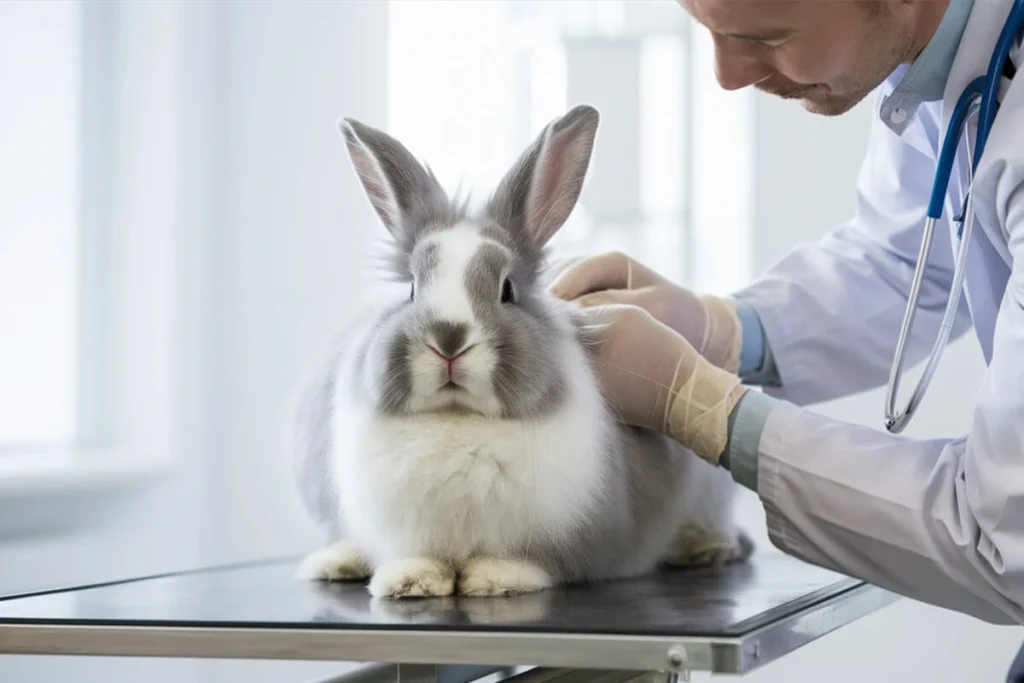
(460, 444)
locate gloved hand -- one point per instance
(655, 378)
(709, 323)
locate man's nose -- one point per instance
(735, 71)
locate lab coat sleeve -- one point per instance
(938, 520)
(831, 311)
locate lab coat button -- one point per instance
(899, 115)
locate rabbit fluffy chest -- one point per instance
(455, 486)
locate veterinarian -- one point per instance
(938, 520)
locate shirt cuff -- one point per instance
(746, 423)
(752, 349)
(757, 364)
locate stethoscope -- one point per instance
(980, 99)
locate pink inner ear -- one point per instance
(549, 176)
(549, 196)
(376, 186)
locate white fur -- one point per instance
(452, 486)
(447, 295)
(493, 576)
(419, 577)
(341, 561)
(474, 371)
(448, 300)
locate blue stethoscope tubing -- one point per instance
(986, 89)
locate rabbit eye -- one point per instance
(506, 292)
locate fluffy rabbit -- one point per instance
(460, 444)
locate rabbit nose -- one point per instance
(448, 359)
(449, 338)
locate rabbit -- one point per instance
(459, 442)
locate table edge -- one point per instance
(736, 654)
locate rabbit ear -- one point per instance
(539, 192)
(397, 185)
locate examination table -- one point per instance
(662, 628)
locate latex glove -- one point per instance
(654, 378)
(709, 323)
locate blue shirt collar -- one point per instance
(925, 79)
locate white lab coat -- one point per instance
(936, 519)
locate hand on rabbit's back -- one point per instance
(459, 443)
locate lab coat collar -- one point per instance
(925, 79)
(972, 60)
(979, 40)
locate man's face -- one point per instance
(828, 53)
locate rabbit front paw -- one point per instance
(415, 577)
(494, 576)
(338, 562)
(694, 546)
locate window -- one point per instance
(471, 84)
(40, 223)
(88, 205)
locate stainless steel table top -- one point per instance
(729, 620)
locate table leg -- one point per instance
(368, 673)
(551, 675)
(420, 673)
(451, 673)
(445, 673)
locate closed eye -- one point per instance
(766, 42)
(768, 38)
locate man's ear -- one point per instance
(395, 183)
(539, 192)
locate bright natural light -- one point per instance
(39, 222)
(471, 84)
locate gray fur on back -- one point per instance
(312, 443)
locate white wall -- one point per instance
(801, 188)
(295, 234)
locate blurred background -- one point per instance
(181, 232)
